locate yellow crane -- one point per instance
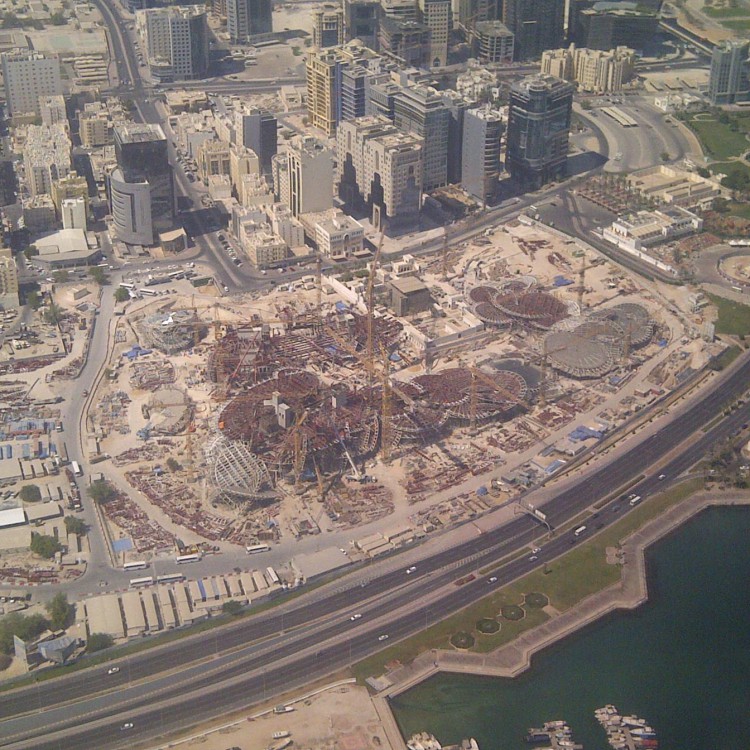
(369, 301)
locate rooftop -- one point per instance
(138, 132)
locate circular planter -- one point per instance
(462, 640)
(535, 600)
(512, 612)
(488, 625)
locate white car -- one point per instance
(411, 570)
(535, 551)
(113, 670)
(383, 637)
(492, 580)
(355, 617)
(127, 725)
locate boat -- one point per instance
(423, 741)
(280, 735)
(536, 735)
(559, 724)
(283, 709)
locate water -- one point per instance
(682, 661)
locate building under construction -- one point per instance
(171, 331)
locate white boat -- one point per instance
(280, 735)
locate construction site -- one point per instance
(316, 407)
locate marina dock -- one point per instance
(554, 735)
(626, 732)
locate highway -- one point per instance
(297, 656)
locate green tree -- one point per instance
(721, 205)
(121, 294)
(231, 607)
(52, 314)
(33, 300)
(58, 19)
(30, 251)
(664, 156)
(102, 491)
(30, 493)
(26, 627)
(44, 546)
(173, 464)
(98, 275)
(703, 172)
(60, 611)
(61, 276)
(736, 179)
(98, 642)
(75, 526)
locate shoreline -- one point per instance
(514, 658)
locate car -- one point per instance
(411, 569)
(226, 288)
(221, 237)
(383, 637)
(535, 551)
(127, 725)
(492, 580)
(113, 670)
(355, 617)
(533, 558)
(662, 476)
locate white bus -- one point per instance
(138, 565)
(170, 578)
(579, 531)
(149, 292)
(256, 548)
(75, 467)
(137, 582)
(187, 559)
(271, 575)
(127, 285)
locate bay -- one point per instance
(682, 661)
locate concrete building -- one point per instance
(72, 186)
(52, 110)
(605, 26)
(259, 133)
(309, 175)
(400, 10)
(480, 163)
(597, 71)
(323, 74)
(248, 18)
(675, 187)
(28, 76)
(67, 248)
(74, 212)
(338, 236)
(262, 247)
(285, 225)
(175, 40)
(46, 156)
(242, 161)
(421, 110)
(536, 25)
(8, 280)
(94, 126)
(380, 169)
(648, 228)
(213, 159)
(39, 214)
(361, 20)
(328, 26)
(538, 130)
(409, 296)
(436, 15)
(405, 41)
(493, 42)
(729, 80)
(143, 165)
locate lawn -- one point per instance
(719, 139)
(725, 12)
(743, 25)
(734, 318)
(565, 582)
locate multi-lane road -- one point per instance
(315, 636)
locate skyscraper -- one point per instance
(141, 187)
(436, 15)
(259, 133)
(728, 82)
(537, 25)
(246, 18)
(176, 41)
(310, 174)
(538, 130)
(480, 163)
(27, 76)
(328, 26)
(361, 19)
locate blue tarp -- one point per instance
(122, 545)
(341, 307)
(202, 589)
(481, 491)
(554, 466)
(561, 281)
(585, 433)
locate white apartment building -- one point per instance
(286, 225)
(436, 15)
(8, 280)
(46, 157)
(74, 213)
(131, 209)
(52, 110)
(28, 76)
(594, 70)
(306, 184)
(339, 236)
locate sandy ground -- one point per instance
(342, 717)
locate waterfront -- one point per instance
(680, 661)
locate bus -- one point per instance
(175, 275)
(127, 285)
(187, 559)
(75, 467)
(256, 548)
(271, 576)
(150, 292)
(138, 565)
(170, 578)
(579, 531)
(137, 582)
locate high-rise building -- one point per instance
(309, 172)
(260, 134)
(247, 18)
(46, 156)
(141, 188)
(595, 25)
(729, 81)
(8, 280)
(593, 70)
(436, 15)
(74, 213)
(52, 110)
(457, 106)
(406, 41)
(480, 162)
(400, 10)
(28, 76)
(421, 110)
(328, 26)
(537, 25)
(381, 169)
(175, 40)
(361, 21)
(69, 188)
(493, 42)
(538, 130)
